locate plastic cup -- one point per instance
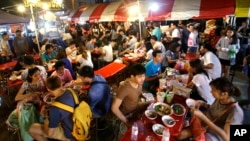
(162, 83)
(160, 96)
(169, 97)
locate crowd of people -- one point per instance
(207, 74)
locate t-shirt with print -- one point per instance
(31, 88)
(41, 68)
(129, 96)
(59, 116)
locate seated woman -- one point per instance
(61, 55)
(63, 74)
(29, 97)
(85, 58)
(223, 112)
(32, 87)
(200, 82)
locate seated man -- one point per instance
(59, 124)
(126, 104)
(63, 74)
(153, 72)
(99, 92)
(50, 55)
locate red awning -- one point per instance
(127, 10)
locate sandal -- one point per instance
(247, 106)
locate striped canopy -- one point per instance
(131, 10)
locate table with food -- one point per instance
(168, 112)
(160, 116)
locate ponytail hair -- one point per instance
(197, 64)
(224, 85)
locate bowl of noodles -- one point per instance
(162, 108)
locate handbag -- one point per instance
(27, 116)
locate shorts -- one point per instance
(225, 62)
(58, 134)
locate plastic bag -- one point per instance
(27, 116)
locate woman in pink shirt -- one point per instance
(63, 74)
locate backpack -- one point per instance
(82, 116)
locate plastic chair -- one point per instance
(13, 130)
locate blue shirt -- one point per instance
(68, 66)
(152, 69)
(99, 96)
(157, 32)
(59, 116)
(46, 57)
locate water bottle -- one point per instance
(134, 132)
(166, 135)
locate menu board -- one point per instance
(14, 27)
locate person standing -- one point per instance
(20, 44)
(99, 93)
(5, 46)
(227, 48)
(192, 39)
(157, 31)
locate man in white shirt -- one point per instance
(210, 61)
(107, 52)
(6, 52)
(176, 33)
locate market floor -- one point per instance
(110, 133)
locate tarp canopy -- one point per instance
(242, 8)
(130, 10)
(7, 18)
